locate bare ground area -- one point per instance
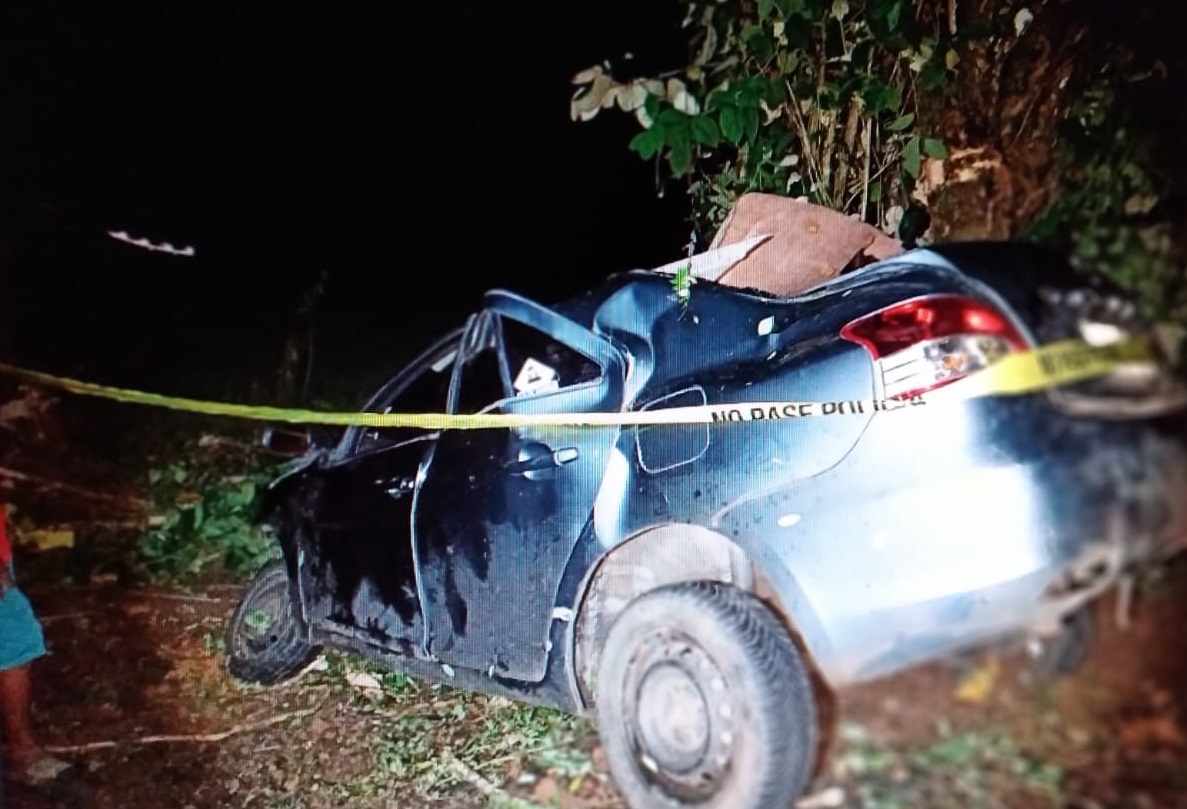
(135, 691)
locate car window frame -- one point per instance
(498, 315)
(382, 400)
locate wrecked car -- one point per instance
(693, 586)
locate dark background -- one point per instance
(418, 153)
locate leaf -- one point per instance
(765, 7)
(704, 130)
(647, 143)
(750, 122)
(731, 125)
(934, 147)
(718, 100)
(632, 96)
(894, 15)
(679, 97)
(932, 76)
(828, 98)
(978, 685)
(879, 97)
(774, 92)
(875, 191)
(900, 123)
(912, 159)
(679, 151)
(913, 224)
(761, 47)
(789, 8)
(670, 120)
(651, 107)
(747, 94)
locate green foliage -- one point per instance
(204, 521)
(1109, 185)
(805, 98)
(682, 281)
(988, 768)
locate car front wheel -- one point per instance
(264, 641)
(702, 699)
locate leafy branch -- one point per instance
(805, 98)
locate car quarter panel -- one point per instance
(947, 525)
(889, 536)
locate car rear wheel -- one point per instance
(264, 641)
(703, 699)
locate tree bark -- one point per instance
(1001, 122)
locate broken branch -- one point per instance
(202, 738)
(67, 487)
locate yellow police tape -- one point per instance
(1041, 368)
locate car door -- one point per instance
(358, 572)
(500, 511)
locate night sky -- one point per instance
(381, 142)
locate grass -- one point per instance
(437, 741)
(985, 768)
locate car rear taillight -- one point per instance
(928, 342)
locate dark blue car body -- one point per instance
(496, 559)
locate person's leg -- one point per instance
(16, 694)
(21, 642)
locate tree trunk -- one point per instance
(1001, 122)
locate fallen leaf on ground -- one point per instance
(363, 680)
(977, 686)
(46, 540)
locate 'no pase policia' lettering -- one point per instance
(795, 410)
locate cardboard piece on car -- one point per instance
(807, 245)
(711, 264)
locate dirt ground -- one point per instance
(135, 691)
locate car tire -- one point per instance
(702, 698)
(1066, 653)
(268, 653)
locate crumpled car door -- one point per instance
(500, 511)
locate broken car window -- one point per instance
(481, 380)
(426, 391)
(538, 363)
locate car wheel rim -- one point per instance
(266, 621)
(679, 716)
